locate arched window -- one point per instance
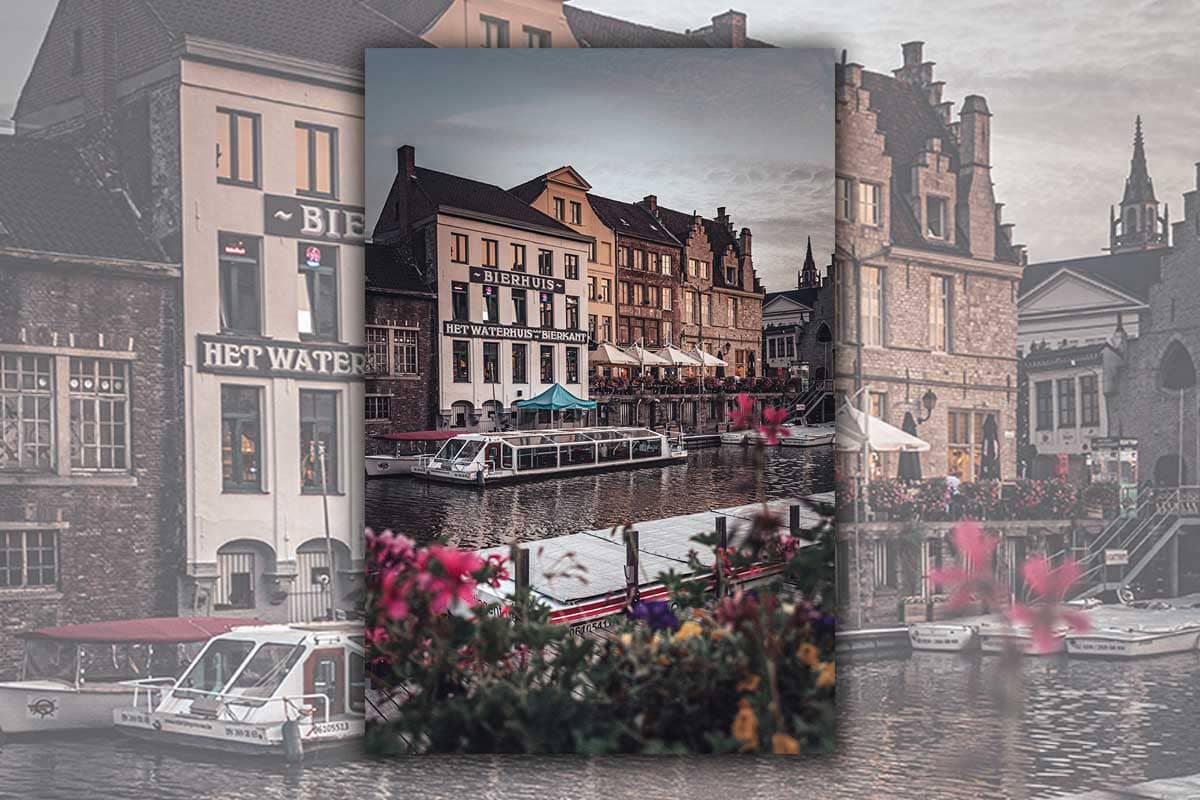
(824, 334)
(1176, 370)
(461, 413)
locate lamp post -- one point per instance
(928, 402)
(318, 452)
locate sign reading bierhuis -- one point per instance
(272, 359)
(484, 330)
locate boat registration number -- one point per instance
(328, 728)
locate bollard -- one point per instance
(722, 546)
(794, 519)
(520, 560)
(631, 567)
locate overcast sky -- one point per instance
(751, 130)
(1063, 79)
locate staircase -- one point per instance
(1142, 536)
(812, 400)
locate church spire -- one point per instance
(1138, 225)
(808, 273)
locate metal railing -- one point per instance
(290, 703)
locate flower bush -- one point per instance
(891, 496)
(980, 500)
(931, 500)
(1103, 496)
(1059, 499)
(747, 672)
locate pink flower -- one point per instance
(742, 417)
(1047, 618)
(972, 578)
(454, 583)
(772, 425)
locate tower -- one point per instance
(1138, 225)
(808, 273)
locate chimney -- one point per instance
(93, 46)
(729, 29)
(976, 131)
(852, 74)
(650, 201)
(745, 240)
(912, 53)
(915, 71)
(976, 203)
(406, 160)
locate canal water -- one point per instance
(714, 477)
(934, 726)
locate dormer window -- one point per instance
(935, 217)
(869, 198)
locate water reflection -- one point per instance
(711, 478)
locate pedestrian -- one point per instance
(952, 483)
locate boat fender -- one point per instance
(293, 745)
(479, 477)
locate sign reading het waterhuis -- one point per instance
(518, 280)
(269, 359)
(483, 330)
(301, 218)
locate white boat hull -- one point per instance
(809, 440)
(733, 437)
(1016, 641)
(38, 706)
(1133, 643)
(434, 472)
(946, 637)
(248, 738)
(390, 466)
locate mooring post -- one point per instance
(520, 560)
(631, 567)
(722, 547)
(794, 519)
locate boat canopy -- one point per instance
(419, 436)
(153, 630)
(556, 398)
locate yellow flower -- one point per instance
(809, 655)
(745, 726)
(687, 630)
(627, 639)
(784, 745)
(748, 684)
(718, 634)
(826, 676)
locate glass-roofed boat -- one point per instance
(483, 458)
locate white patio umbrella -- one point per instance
(677, 357)
(706, 359)
(644, 358)
(606, 353)
(856, 428)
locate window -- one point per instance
(318, 430)
(593, 287)
(623, 257)
(666, 298)
(495, 31)
(886, 561)
(27, 402)
(520, 363)
(844, 210)
(639, 294)
(460, 304)
(316, 160)
(1066, 403)
(573, 313)
(665, 263)
(872, 306)
(560, 209)
(606, 290)
(28, 558)
(99, 394)
(939, 312)
(404, 347)
(545, 262)
(460, 249)
(491, 303)
(491, 362)
(536, 37)
(238, 267)
(623, 330)
(731, 275)
(639, 259)
(317, 294)
(626, 292)
(592, 251)
(577, 216)
(666, 327)
(547, 363)
(733, 312)
(572, 365)
(237, 147)
(234, 589)
(571, 267)
(965, 443)
(593, 328)
(935, 217)
(693, 268)
(391, 351)
(547, 309)
(378, 407)
(868, 203)
(706, 305)
(518, 263)
(1089, 401)
(1044, 405)
(461, 351)
(491, 253)
(520, 313)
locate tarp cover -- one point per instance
(153, 630)
(556, 398)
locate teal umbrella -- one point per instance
(556, 398)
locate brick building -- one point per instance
(90, 400)
(927, 271)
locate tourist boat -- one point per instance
(280, 690)
(809, 436)
(409, 448)
(73, 676)
(947, 636)
(483, 458)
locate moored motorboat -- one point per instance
(409, 448)
(809, 436)
(1001, 637)
(280, 690)
(1134, 632)
(484, 458)
(948, 636)
(734, 437)
(73, 676)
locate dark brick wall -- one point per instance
(413, 400)
(124, 547)
(668, 283)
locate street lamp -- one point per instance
(928, 401)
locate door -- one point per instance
(325, 674)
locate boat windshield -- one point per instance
(462, 451)
(50, 660)
(126, 661)
(264, 672)
(215, 666)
